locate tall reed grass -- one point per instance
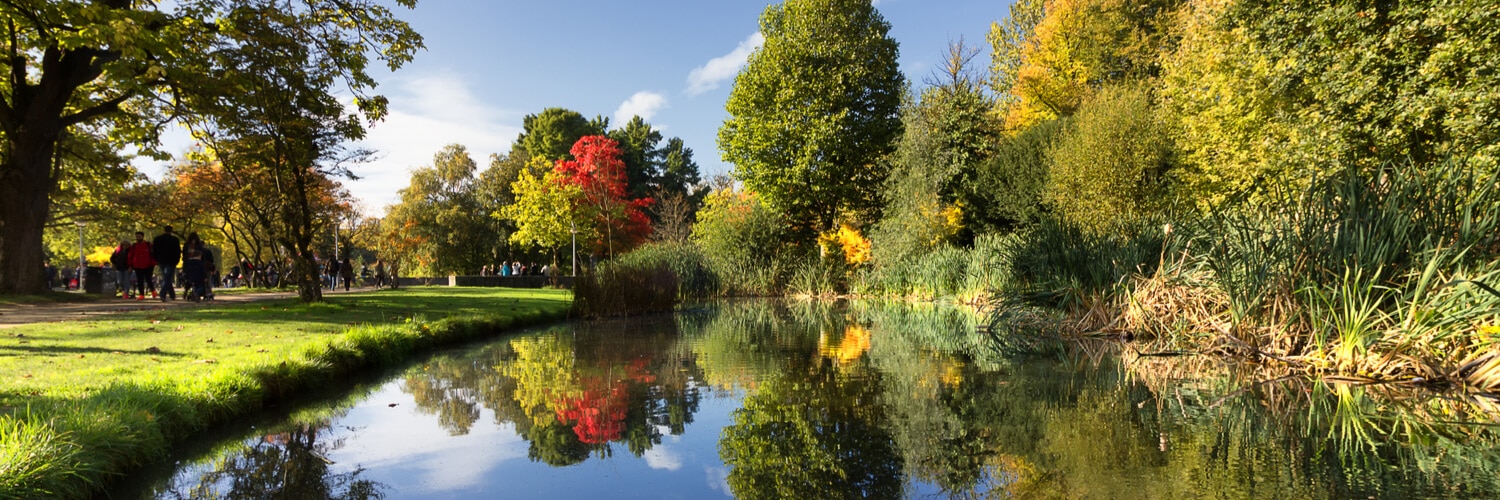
(1383, 273)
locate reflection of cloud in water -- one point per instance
(395, 442)
(659, 457)
(718, 479)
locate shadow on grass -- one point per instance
(50, 350)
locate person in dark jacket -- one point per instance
(167, 250)
(120, 260)
(141, 262)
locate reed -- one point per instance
(625, 288)
(1383, 273)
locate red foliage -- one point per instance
(599, 173)
(599, 411)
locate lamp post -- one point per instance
(573, 228)
(81, 262)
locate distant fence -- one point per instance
(491, 281)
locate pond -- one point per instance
(767, 399)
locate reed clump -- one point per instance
(1385, 273)
(624, 288)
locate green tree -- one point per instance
(1112, 164)
(1369, 83)
(814, 111)
(638, 149)
(679, 173)
(266, 100)
(114, 64)
(551, 133)
(442, 201)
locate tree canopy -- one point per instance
(815, 109)
(116, 68)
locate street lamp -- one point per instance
(81, 262)
(573, 228)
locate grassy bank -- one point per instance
(86, 401)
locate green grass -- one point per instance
(86, 401)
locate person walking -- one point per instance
(120, 260)
(379, 274)
(166, 249)
(346, 272)
(140, 261)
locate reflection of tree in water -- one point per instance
(569, 392)
(810, 424)
(817, 431)
(289, 464)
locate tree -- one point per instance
(1075, 47)
(639, 152)
(442, 201)
(543, 210)
(619, 222)
(552, 133)
(266, 103)
(115, 63)
(814, 110)
(1112, 165)
(679, 173)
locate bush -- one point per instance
(745, 242)
(695, 275)
(1111, 165)
(625, 288)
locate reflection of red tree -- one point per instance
(598, 411)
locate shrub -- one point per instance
(1111, 165)
(745, 243)
(625, 288)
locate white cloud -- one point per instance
(658, 457)
(427, 112)
(643, 104)
(708, 76)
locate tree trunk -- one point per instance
(25, 184)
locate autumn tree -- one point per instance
(443, 203)
(815, 109)
(543, 210)
(116, 64)
(619, 222)
(267, 101)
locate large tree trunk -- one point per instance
(25, 184)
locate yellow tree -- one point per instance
(543, 210)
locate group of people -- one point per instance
(339, 271)
(137, 260)
(517, 269)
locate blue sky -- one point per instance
(489, 63)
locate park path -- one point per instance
(28, 314)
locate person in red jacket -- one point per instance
(141, 261)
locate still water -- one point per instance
(769, 399)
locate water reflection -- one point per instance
(776, 400)
(291, 463)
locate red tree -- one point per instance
(599, 173)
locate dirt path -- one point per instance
(17, 315)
